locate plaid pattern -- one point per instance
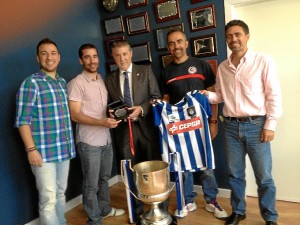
(42, 104)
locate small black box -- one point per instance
(120, 110)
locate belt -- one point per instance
(243, 119)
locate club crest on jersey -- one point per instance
(192, 70)
(191, 111)
(184, 126)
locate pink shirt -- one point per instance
(251, 89)
(92, 95)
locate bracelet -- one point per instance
(213, 121)
(31, 149)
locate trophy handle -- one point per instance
(123, 163)
(171, 189)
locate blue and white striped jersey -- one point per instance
(184, 128)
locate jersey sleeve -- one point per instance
(204, 103)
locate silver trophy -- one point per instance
(152, 181)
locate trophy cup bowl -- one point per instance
(152, 180)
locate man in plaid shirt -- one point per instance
(43, 120)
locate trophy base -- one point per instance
(170, 221)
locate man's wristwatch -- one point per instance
(213, 121)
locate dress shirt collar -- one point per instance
(247, 57)
(128, 70)
(88, 78)
(48, 77)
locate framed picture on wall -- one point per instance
(166, 10)
(166, 60)
(204, 46)
(161, 35)
(138, 23)
(196, 1)
(202, 18)
(114, 25)
(111, 66)
(141, 53)
(109, 43)
(213, 64)
(135, 3)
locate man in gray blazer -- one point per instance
(143, 88)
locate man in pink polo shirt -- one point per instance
(247, 83)
(88, 102)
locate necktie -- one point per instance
(127, 96)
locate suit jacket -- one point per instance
(144, 89)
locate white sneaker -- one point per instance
(186, 209)
(191, 206)
(215, 208)
(115, 212)
(182, 213)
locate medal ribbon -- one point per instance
(130, 135)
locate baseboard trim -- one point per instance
(225, 193)
(278, 198)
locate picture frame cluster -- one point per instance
(201, 19)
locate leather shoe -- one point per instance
(271, 223)
(234, 219)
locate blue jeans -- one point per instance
(241, 139)
(209, 186)
(51, 182)
(96, 163)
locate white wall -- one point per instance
(275, 30)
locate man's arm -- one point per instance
(273, 100)
(213, 123)
(34, 157)
(26, 97)
(78, 117)
(166, 97)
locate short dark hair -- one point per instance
(86, 46)
(174, 30)
(240, 23)
(45, 41)
(119, 44)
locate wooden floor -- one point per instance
(289, 213)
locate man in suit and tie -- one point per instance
(142, 89)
